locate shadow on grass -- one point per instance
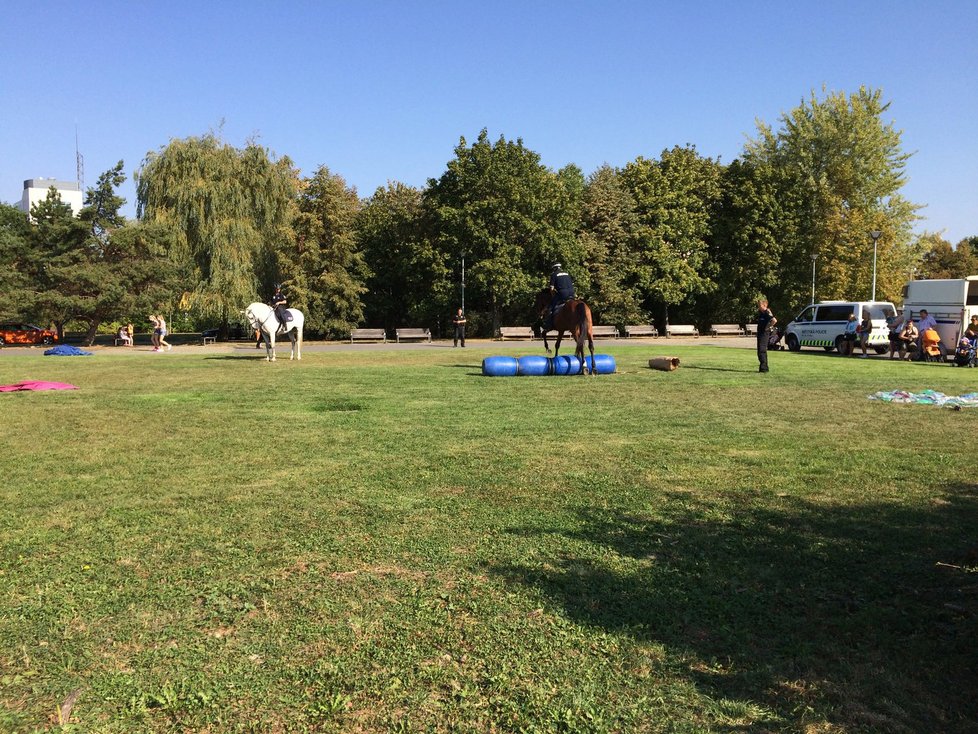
(864, 616)
(716, 369)
(253, 357)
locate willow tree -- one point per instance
(233, 208)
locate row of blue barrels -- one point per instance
(540, 366)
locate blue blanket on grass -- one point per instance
(66, 350)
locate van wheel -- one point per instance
(840, 345)
(879, 350)
(793, 345)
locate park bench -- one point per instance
(208, 340)
(117, 341)
(368, 335)
(682, 330)
(422, 334)
(727, 330)
(515, 332)
(641, 330)
(609, 332)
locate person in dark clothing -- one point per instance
(459, 321)
(278, 302)
(562, 290)
(765, 324)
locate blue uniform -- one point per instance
(278, 303)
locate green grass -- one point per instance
(388, 541)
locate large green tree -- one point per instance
(676, 198)
(411, 280)
(92, 268)
(509, 216)
(608, 233)
(940, 260)
(839, 168)
(232, 209)
(16, 296)
(747, 244)
(327, 269)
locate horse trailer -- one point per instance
(950, 301)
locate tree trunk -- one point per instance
(92, 331)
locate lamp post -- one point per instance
(875, 234)
(463, 283)
(814, 258)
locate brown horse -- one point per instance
(574, 316)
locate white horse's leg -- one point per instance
(270, 357)
(298, 344)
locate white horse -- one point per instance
(262, 317)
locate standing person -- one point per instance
(925, 322)
(765, 324)
(459, 321)
(865, 329)
(155, 336)
(161, 322)
(972, 331)
(893, 328)
(279, 302)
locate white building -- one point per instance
(36, 189)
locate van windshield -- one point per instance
(881, 311)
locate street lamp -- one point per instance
(875, 234)
(814, 258)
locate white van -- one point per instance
(951, 302)
(823, 324)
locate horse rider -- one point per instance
(561, 289)
(278, 303)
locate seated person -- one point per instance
(908, 338)
(964, 350)
(849, 336)
(125, 336)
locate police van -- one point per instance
(823, 324)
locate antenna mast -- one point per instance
(79, 164)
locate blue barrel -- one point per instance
(604, 364)
(500, 367)
(566, 365)
(534, 365)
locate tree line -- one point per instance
(680, 236)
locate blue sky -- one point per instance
(382, 91)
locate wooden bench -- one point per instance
(515, 332)
(607, 332)
(422, 334)
(124, 342)
(368, 335)
(682, 330)
(208, 340)
(726, 330)
(750, 329)
(641, 330)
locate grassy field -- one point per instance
(388, 541)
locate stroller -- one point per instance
(930, 347)
(965, 354)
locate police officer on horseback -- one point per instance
(278, 303)
(561, 289)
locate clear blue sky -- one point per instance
(383, 90)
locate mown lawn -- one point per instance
(390, 542)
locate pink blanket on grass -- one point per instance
(37, 385)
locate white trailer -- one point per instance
(951, 302)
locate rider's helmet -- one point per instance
(557, 266)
